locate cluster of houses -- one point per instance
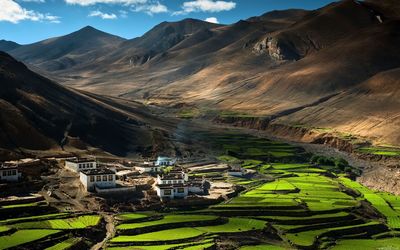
(174, 183)
(177, 184)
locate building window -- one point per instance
(110, 178)
(91, 178)
(14, 172)
(181, 190)
(104, 177)
(167, 192)
(98, 178)
(4, 173)
(9, 172)
(91, 165)
(169, 182)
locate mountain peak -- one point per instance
(89, 28)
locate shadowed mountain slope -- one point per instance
(39, 114)
(8, 45)
(82, 46)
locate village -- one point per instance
(166, 178)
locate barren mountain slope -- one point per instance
(203, 49)
(8, 45)
(64, 52)
(39, 114)
(370, 110)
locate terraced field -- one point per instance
(290, 204)
(21, 227)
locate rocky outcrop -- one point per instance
(275, 48)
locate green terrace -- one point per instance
(382, 151)
(22, 227)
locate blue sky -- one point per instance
(28, 21)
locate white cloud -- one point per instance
(102, 15)
(151, 8)
(93, 2)
(205, 6)
(123, 14)
(148, 6)
(33, 1)
(212, 20)
(11, 11)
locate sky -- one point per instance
(28, 21)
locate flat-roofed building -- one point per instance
(172, 185)
(100, 177)
(80, 164)
(165, 161)
(9, 173)
(148, 168)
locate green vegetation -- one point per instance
(45, 228)
(168, 219)
(131, 216)
(365, 244)
(33, 204)
(262, 247)
(80, 222)
(67, 244)
(24, 236)
(192, 245)
(164, 235)
(4, 229)
(378, 201)
(29, 218)
(384, 151)
(235, 225)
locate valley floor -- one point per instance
(291, 199)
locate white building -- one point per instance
(173, 185)
(9, 173)
(165, 161)
(100, 177)
(80, 164)
(148, 168)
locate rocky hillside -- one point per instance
(38, 114)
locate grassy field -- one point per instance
(131, 216)
(24, 236)
(168, 219)
(67, 244)
(164, 235)
(365, 244)
(384, 151)
(65, 229)
(80, 222)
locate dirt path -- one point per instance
(109, 219)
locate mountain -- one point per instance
(38, 114)
(309, 68)
(82, 46)
(8, 45)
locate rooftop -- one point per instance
(172, 176)
(98, 171)
(8, 166)
(170, 186)
(81, 160)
